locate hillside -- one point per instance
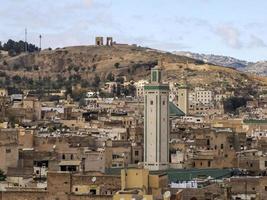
(82, 64)
(258, 68)
(225, 61)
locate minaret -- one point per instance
(183, 98)
(156, 125)
(183, 95)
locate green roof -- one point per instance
(255, 121)
(156, 87)
(189, 174)
(175, 111)
(185, 174)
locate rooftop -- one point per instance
(185, 174)
(175, 111)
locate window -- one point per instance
(136, 153)
(93, 191)
(76, 189)
(265, 163)
(163, 102)
(8, 150)
(151, 102)
(265, 188)
(154, 76)
(221, 146)
(63, 156)
(209, 163)
(71, 156)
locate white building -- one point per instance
(203, 96)
(139, 85)
(156, 129)
(3, 92)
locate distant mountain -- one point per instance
(259, 68)
(225, 61)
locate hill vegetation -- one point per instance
(92, 66)
(15, 48)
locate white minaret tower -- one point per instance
(156, 125)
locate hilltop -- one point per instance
(81, 64)
(258, 68)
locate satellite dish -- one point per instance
(167, 194)
(93, 179)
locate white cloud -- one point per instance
(256, 42)
(88, 3)
(230, 35)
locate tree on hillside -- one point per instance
(14, 48)
(116, 65)
(96, 81)
(120, 80)
(233, 103)
(2, 175)
(110, 77)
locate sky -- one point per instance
(236, 28)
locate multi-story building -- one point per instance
(203, 96)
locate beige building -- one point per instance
(9, 151)
(140, 184)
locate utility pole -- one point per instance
(40, 42)
(26, 45)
